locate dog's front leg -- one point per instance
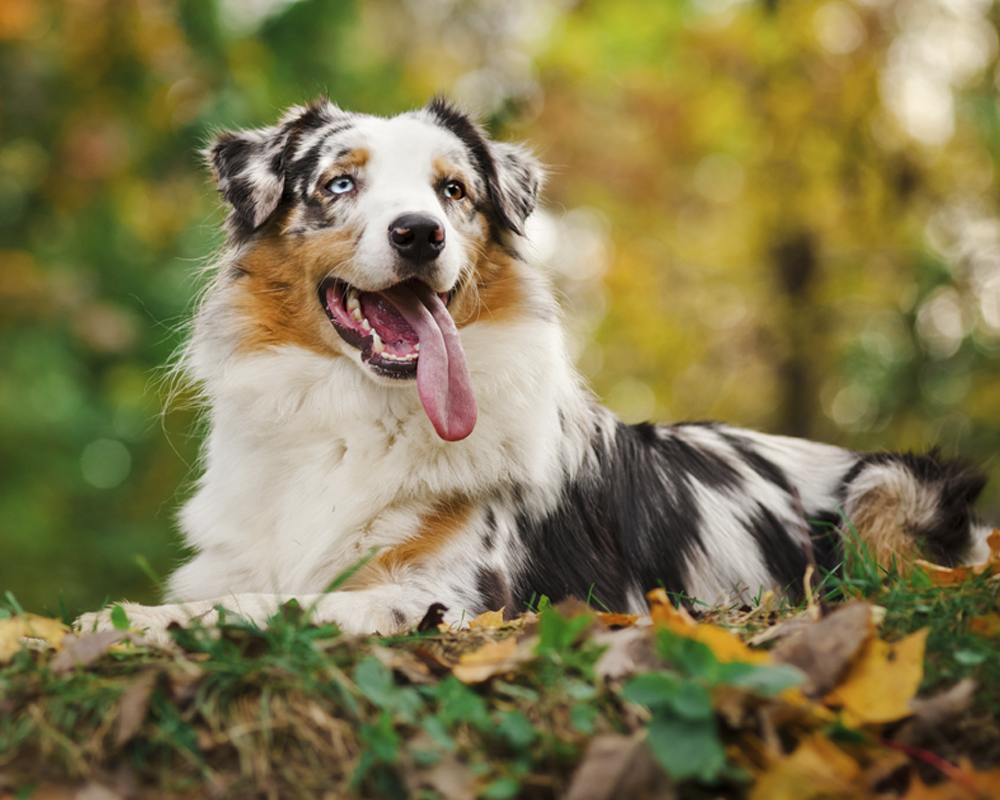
(387, 609)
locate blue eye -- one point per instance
(341, 185)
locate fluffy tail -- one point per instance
(904, 506)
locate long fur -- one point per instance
(316, 458)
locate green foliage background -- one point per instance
(743, 224)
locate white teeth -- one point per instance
(353, 304)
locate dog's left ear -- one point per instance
(516, 183)
(513, 176)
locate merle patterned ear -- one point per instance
(513, 176)
(249, 170)
(516, 184)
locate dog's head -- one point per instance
(368, 237)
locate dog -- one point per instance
(387, 379)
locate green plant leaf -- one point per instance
(516, 728)
(557, 633)
(119, 618)
(686, 748)
(692, 701)
(764, 680)
(652, 689)
(502, 788)
(583, 717)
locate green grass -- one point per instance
(298, 710)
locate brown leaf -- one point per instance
(134, 706)
(630, 650)
(82, 651)
(414, 671)
(493, 658)
(784, 629)
(619, 767)
(988, 625)
(931, 714)
(451, 779)
(825, 649)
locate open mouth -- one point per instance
(403, 332)
(371, 322)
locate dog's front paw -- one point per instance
(151, 621)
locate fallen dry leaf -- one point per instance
(946, 576)
(988, 625)
(493, 658)
(824, 650)
(663, 612)
(490, 620)
(617, 620)
(930, 714)
(134, 706)
(724, 645)
(82, 651)
(14, 630)
(968, 784)
(417, 672)
(784, 629)
(817, 769)
(882, 681)
(629, 650)
(617, 766)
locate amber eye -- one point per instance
(454, 190)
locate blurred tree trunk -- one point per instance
(795, 262)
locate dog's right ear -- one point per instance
(249, 170)
(249, 166)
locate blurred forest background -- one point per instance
(779, 213)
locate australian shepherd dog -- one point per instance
(386, 377)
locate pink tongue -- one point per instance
(443, 380)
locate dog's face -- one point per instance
(371, 238)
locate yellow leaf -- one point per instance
(493, 658)
(14, 630)
(726, 646)
(489, 619)
(817, 769)
(662, 610)
(881, 682)
(617, 620)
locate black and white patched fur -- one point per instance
(484, 484)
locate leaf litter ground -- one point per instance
(881, 685)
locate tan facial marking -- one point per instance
(277, 295)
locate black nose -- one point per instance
(417, 237)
